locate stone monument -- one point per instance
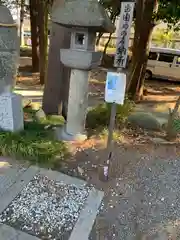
(83, 21)
(11, 114)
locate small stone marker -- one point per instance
(11, 114)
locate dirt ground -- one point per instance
(133, 150)
(127, 158)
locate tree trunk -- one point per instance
(34, 35)
(143, 30)
(43, 38)
(21, 32)
(142, 61)
(100, 34)
(55, 99)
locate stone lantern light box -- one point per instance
(81, 54)
(84, 18)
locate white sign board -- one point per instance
(123, 34)
(115, 88)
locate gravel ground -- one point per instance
(143, 203)
(150, 204)
(46, 208)
(142, 195)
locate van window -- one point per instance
(165, 57)
(152, 56)
(178, 60)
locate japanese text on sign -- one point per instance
(124, 28)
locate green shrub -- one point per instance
(35, 144)
(176, 125)
(100, 115)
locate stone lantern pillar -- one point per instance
(84, 18)
(11, 114)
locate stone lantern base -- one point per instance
(11, 113)
(77, 108)
(61, 134)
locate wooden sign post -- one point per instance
(116, 81)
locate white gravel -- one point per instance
(46, 208)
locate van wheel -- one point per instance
(148, 75)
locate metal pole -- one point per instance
(110, 141)
(109, 146)
(111, 126)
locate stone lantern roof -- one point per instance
(5, 16)
(82, 13)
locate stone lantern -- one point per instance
(11, 114)
(84, 18)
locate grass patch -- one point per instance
(36, 143)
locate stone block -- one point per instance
(145, 121)
(11, 112)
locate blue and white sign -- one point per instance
(115, 88)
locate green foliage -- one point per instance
(169, 12)
(176, 125)
(35, 144)
(113, 6)
(164, 37)
(99, 116)
(53, 120)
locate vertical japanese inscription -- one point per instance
(124, 28)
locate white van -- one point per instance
(163, 63)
